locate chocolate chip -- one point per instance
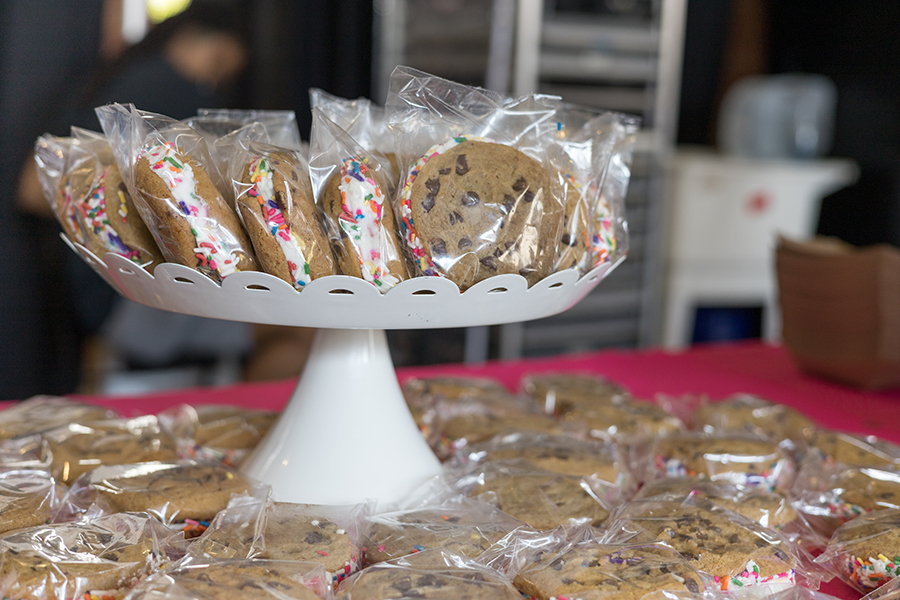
(566, 581)
(314, 537)
(428, 202)
(462, 166)
(455, 218)
(567, 240)
(294, 175)
(439, 247)
(664, 568)
(489, 262)
(529, 196)
(403, 584)
(557, 564)
(453, 520)
(470, 199)
(520, 184)
(498, 252)
(702, 536)
(445, 171)
(735, 538)
(508, 203)
(509, 245)
(433, 185)
(279, 200)
(761, 543)
(464, 243)
(429, 581)
(691, 585)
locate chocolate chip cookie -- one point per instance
(41, 413)
(470, 209)
(173, 491)
(756, 416)
(615, 572)
(229, 580)
(278, 209)
(392, 582)
(467, 529)
(561, 393)
(734, 551)
(858, 450)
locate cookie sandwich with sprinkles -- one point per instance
(353, 189)
(476, 196)
(275, 202)
(165, 163)
(85, 190)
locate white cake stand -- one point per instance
(346, 434)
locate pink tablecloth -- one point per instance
(715, 370)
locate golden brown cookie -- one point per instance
(233, 580)
(393, 582)
(77, 448)
(41, 413)
(27, 499)
(858, 450)
(472, 209)
(173, 491)
(365, 244)
(754, 415)
(67, 560)
(610, 572)
(196, 226)
(561, 393)
(279, 211)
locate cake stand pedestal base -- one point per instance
(346, 435)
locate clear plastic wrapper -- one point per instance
(590, 570)
(769, 509)
(541, 499)
(362, 119)
(275, 201)
(85, 189)
(101, 557)
(754, 415)
(609, 233)
(281, 125)
(77, 448)
(865, 552)
(353, 188)
(226, 433)
(476, 195)
(561, 393)
(627, 420)
(175, 492)
(828, 494)
(583, 143)
(423, 394)
(855, 449)
(605, 465)
(405, 581)
(171, 175)
(255, 527)
(30, 453)
(740, 460)
(191, 579)
(28, 498)
(739, 554)
(41, 413)
(458, 525)
(470, 420)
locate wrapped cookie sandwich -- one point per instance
(257, 528)
(353, 189)
(866, 551)
(167, 167)
(85, 189)
(275, 201)
(584, 141)
(190, 579)
(476, 196)
(458, 525)
(101, 557)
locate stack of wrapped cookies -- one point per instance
(569, 487)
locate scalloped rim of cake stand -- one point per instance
(344, 302)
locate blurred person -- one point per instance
(187, 62)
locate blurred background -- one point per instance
(758, 118)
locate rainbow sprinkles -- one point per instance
(212, 251)
(93, 209)
(362, 203)
(264, 191)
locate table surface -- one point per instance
(713, 370)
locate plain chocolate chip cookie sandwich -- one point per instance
(278, 209)
(470, 209)
(196, 226)
(354, 198)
